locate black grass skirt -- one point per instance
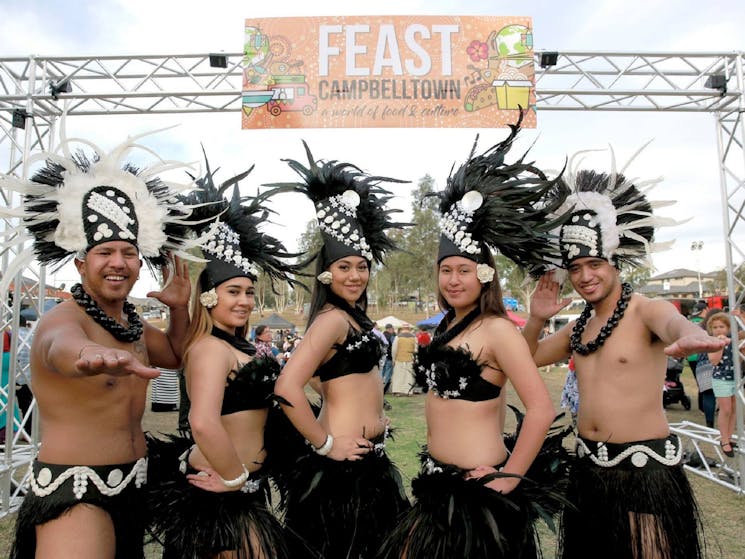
(344, 509)
(192, 523)
(457, 517)
(624, 509)
(125, 509)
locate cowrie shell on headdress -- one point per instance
(471, 201)
(350, 198)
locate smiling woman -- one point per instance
(342, 491)
(210, 493)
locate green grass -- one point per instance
(723, 511)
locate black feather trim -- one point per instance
(243, 215)
(515, 216)
(321, 180)
(192, 523)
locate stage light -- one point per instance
(549, 59)
(718, 82)
(62, 86)
(218, 61)
(19, 119)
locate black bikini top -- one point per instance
(251, 387)
(358, 353)
(453, 373)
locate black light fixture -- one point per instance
(62, 86)
(718, 82)
(19, 119)
(549, 59)
(218, 61)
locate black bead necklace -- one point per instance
(575, 343)
(122, 334)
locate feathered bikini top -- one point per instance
(251, 387)
(359, 352)
(453, 373)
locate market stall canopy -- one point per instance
(274, 321)
(392, 320)
(433, 321)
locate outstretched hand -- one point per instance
(177, 292)
(545, 302)
(695, 343)
(97, 360)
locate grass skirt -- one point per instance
(624, 509)
(125, 510)
(344, 509)
(456, 517)
(192, 523)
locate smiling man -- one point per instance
(631, 495)
(92, 357)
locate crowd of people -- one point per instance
(308, 419)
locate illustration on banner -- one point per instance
(267, 63)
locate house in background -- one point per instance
(682, 287)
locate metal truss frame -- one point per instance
(32, 88)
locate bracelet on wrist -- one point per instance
(325, 448)
(237, 482)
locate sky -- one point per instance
(682, 149)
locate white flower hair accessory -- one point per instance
(208, 299)
(325, 277)
(484, 272)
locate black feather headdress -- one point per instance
(490, 204)
(350, 207)
(608, 216)
(234, 246)
(76, 201)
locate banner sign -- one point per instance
(388, 71)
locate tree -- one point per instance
(636, 276)
(514, 279)
(309, 243)
(409, 271)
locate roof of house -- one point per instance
(679, 273)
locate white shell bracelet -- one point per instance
(237, 482)
(324, 449)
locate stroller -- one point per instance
(673, 391)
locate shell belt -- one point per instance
(639, 454)
(42, 484)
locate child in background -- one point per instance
(723, 381)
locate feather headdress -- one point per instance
(75, 202)
(350, 207)
(609, 216)
(490, 204)
(234, 246)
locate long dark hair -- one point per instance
(322, 293)
(490, 301)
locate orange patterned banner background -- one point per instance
(388, 71)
